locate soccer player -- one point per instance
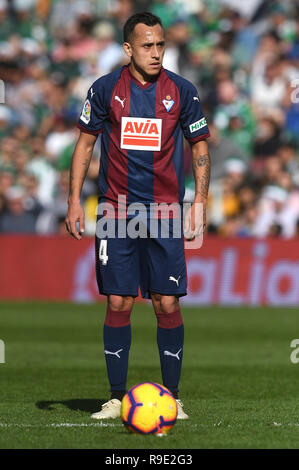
(142, 112)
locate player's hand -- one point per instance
(75, 214)
(195, 220)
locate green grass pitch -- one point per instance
(238, 383)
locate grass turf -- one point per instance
(238, 383)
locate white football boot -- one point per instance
(110, 410)
(181, 413)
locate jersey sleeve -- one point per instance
(193, 122)
(94, 112)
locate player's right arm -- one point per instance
(79, 167)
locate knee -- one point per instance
(166, 303)
(169, 304)
(118, 311)
(118, 303)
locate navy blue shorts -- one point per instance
(153, 264)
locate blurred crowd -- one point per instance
(243, 57)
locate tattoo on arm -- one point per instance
(86, 165)
(202, 181)
(71, 182)
(200, 161)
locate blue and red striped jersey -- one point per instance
(142, 129)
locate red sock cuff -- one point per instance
(169, 320)
(116, 318)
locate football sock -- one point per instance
(117, 342)
(170, 339)
(175, 393)
(118, 394)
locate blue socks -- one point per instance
(170, 343)
(117, 342)
(170, 339)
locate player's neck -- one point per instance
(141, 76)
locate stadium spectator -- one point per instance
(268, 88)
(15, 218)
(243, 58)
(222, 149)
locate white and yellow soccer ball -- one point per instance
(149, 408)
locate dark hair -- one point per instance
(146, 18)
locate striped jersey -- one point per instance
(142, 129)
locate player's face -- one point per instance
(146, 49)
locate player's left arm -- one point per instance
(201, 172)
(196, 131)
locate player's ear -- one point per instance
(127, 48)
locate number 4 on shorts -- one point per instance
(103, 257)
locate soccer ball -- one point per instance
(149, 408)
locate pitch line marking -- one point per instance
(70, 425)
(59, 425)
(112, 425)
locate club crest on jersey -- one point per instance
(141, 133)
(168, 103)
(85, 116)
